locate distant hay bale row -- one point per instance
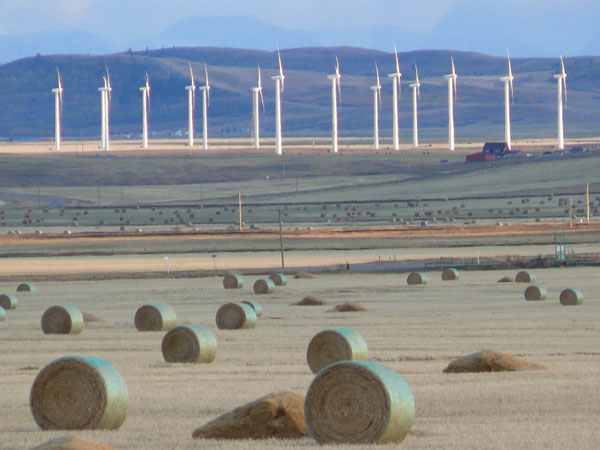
(8, 301)
(26, 287)
(233, 281)
(62, 319)
(450, 274)
(333, 345)
(416, 278)
(189, 344)
(571, 296)
(155, 317)
(535, 293)
(278, 278)
(236, 316)
(264, 286)
(525, 277)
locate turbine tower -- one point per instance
(105, 95)
(562, 84)
(58, 101)
(256, 96)
(416, 87)
(451, 93)
(335, 89)
(279, 87)
(508, 83)
(396, 76)
(191, 106)
(205, 102)
(376, 105)
(145, 110)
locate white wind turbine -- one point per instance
(508, 86)
(279, 87)
(376, 105)
(58, 102)
(205, 102)
(145, 110)
(451, 93)
(105, 95)
(256, 96)
(335, 89)
(416, 88)
(562, 84)
(396, 92)
(191, 106)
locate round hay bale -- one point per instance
(189, 344)
(348, 307)
(571, 296)
(333, 345)
(257, 307)
(415, 278)
(155, 317)
(233, 281)
(62, 319)
(525, 276)
(77, 393)
(311, 300)
(304, 274)
(359, 402)
(535, 292)
(278, 278)
(2, 314)
(235, 316)
(71, 443)
(450, 274)
(506, 279)
(264, 286)
(8, 301)
(26, 287)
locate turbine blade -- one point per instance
(509, 65)
(281, 71)
(396, 56)
(337, 66)
(417, 81)
(192, 76)
(262, 100)
(453, 68)
(60, 88)
(207, 85)
(377, 72)
(562, 66)
(108, 85)
(259, 78)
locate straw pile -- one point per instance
(506, 279)
(450, 274)
(2, 314)
(71, 443)
(79, 392)
(233, 281)
(311, 300)
(257, 307)
(277, 415)
(359, 402)
(278, 278)
(88, 317)
(155, 317)
(333, 345)
(8, 301)
(264, 286)
(571, 296)
(26, 287)
(189, 344)
(415, 278)
(235, 316)
(304, 274)
(535, 293)
(348, 307)
(525, 277)
(62, 319)
(490, 361)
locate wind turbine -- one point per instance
(256, 95)
(279, 87)
(416, 88)
(562, 84)
(508, 82)
(451, 93)
(145, 110)
(396, 76)
(205, 102)
(376, 105)
(191, 106)
(105, 94)
(335, 89)
(58, 102)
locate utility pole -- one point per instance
(240, 209)
(281, 239)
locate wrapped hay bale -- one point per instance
(450, 274)
(8, 301)
(333, 345)
(62, 319)
(71, 443)
(415, 278)
(525, 276)
(77, 393)
(359, 402)
(233, 281)
(257, 307)
(278, 278)
(571, 296)
(535, 293)
(26, 287)
(155, 317)
(189, 344)
(2, 314)
(235, 316)
(264, 286)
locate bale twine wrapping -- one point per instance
(450, 274)
(416, 278)
(257, 307)
(571, 296)
(264, 286)
(235, 316)
(2, 314)
(155, 317)
(79, 392)
(333, 345)
(233, 281)
(278, 278)
(189, 344)
(26, 287)
(359, 402)
(535, 292)
(525, 277)
(8, 301)
(62, 319)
